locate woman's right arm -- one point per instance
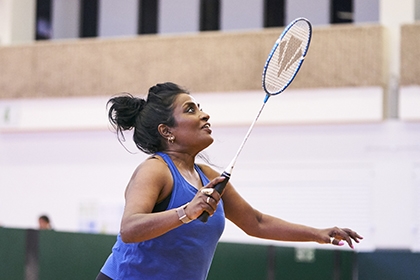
(149, 181)
(152, 182)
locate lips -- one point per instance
(207, 127)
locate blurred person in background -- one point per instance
(44, 222)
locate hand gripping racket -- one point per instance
(282, 65)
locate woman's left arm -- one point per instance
(257, 224)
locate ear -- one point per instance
(164, 131)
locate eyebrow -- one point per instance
(189, 103)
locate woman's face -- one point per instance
(192, 129)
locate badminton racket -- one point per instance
(282, 65)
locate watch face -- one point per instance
(185, 219)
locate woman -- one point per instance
(160, 237)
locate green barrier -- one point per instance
(51, 255)
(312, 264)
(244, 261)
(64, 255)
(239, 262)
(389, 265)
(12, 253)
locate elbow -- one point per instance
(254, 228)
(134, 231)
(127, 235)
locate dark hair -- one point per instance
(44, 218)
(144, 116)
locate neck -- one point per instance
(182, 160)
(185, 165)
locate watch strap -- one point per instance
(182, 215)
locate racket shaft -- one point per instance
(219, 188)
(228, 171)
(247, 135)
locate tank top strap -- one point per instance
(203, 177)
(174, 171)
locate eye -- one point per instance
(190, 109)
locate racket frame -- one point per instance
(273, 50)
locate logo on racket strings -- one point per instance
(289, 52)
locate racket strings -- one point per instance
(287, 57)
(291, 56)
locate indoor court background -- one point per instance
(340, 147)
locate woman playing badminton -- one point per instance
(161, 236)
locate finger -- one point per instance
(209, 188)
(355, 236)
(216, 196)
(348, 240)
(212, 202)
(211, 193)
(207, 191)
(216, 181)
(336, 242)
(337, 235)
(346, 236)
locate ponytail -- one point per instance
(124, 111)
(127, 112)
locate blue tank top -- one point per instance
(184, 253)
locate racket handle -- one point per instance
(219, 188)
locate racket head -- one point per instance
(286, 57)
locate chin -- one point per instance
(209, 142)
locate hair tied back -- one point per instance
(124, 111)
(139, 103)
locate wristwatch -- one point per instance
(181, 214)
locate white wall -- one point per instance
(315, 106)
(409, 103)
(363, 176)
(341, 170)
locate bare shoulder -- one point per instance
(153, 173)
(153, 167)
(153, 163)
(149, 184)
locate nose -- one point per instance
(204, 116)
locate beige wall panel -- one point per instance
(17, 73)
(343, 56)
(339, 56)
(410, 54)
